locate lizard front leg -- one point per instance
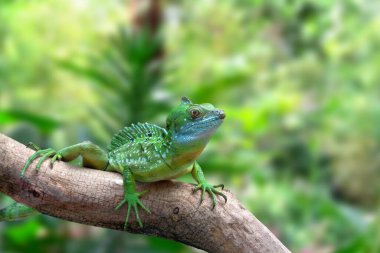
(197, 174)
(131, 197)
(93, 156)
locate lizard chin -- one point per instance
(196, 136)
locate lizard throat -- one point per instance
(188, 147)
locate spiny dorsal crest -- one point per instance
(136, 132)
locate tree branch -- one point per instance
(89, 196)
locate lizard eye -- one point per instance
(195, 113)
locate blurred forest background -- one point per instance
(299, 81)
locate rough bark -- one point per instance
(89, 196)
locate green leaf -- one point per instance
(44, 124)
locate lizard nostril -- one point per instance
(222, 115)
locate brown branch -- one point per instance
(145, 14)
(89, 196)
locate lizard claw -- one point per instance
(45, 154)
(56, 157)
(204, 186)
(219, 185)
(133, 201)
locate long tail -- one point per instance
(16, 211)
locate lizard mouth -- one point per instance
(214, 121)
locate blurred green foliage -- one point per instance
(297, 79)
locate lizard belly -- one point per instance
(160, 172)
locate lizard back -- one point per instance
(140, 133)
(143, 148)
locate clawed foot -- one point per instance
(133, 201)
(44, 153)
(212, 190)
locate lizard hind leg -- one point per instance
(93, 156)
(131, 197)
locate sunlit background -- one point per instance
(299, 81)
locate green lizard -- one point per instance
(146, 153)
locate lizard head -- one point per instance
(192, 124)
